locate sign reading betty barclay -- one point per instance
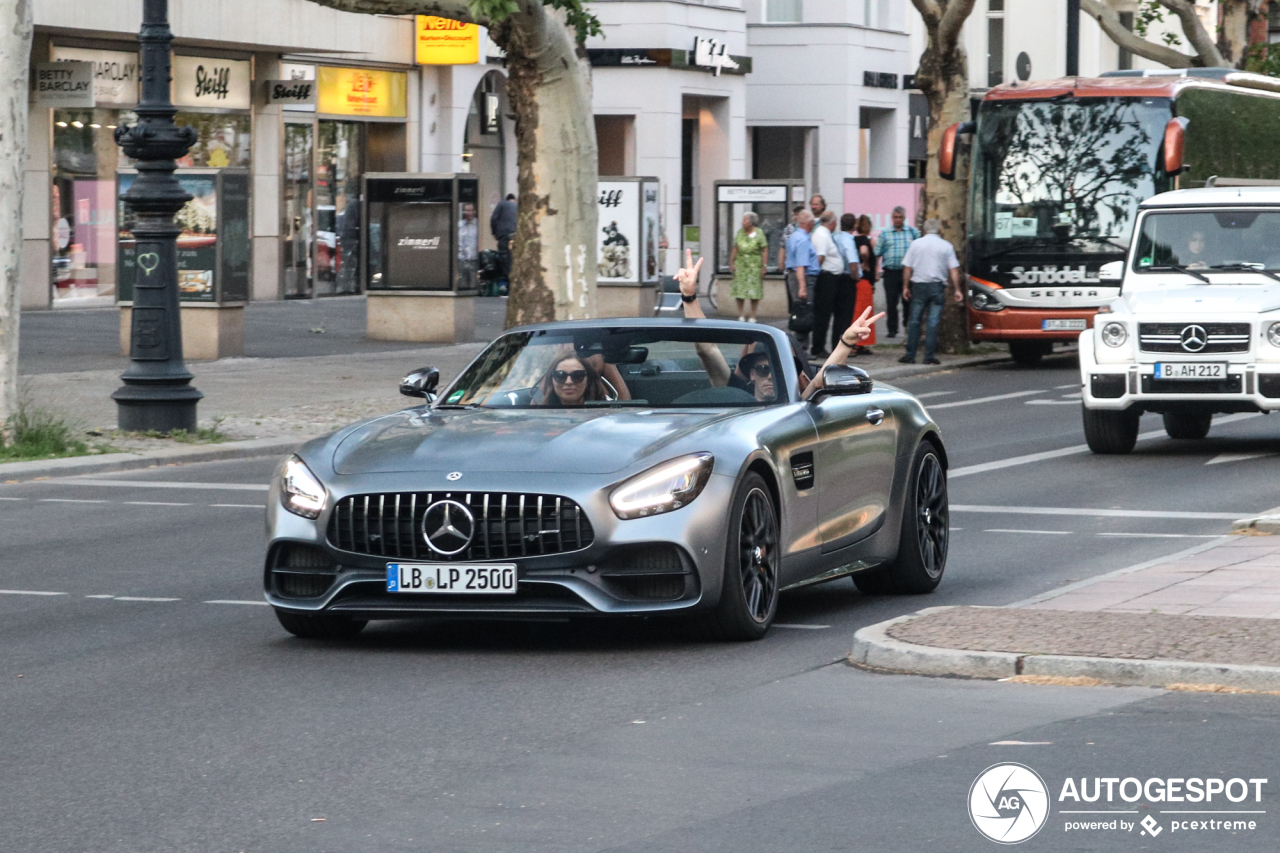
(202, 81)
(362, 92)
(63, 84)
(115, 74)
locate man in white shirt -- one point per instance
(832, 266)
(929, 263)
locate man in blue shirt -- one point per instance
(802, 264)
(892, 248)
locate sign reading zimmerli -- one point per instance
(63, 84)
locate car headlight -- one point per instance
(1114, 334)
(300, 491)
(1273, 334)
(664, 487)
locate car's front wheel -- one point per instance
(749, 594)
(320, 626)
(1111, 432)
(1193, 425)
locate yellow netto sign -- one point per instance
(441, 41)
(361, 92)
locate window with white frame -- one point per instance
(995, 42)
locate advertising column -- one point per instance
(626, 247)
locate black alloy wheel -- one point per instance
(1111, 432)
(933, 530)
(749, 597)
(925, 536)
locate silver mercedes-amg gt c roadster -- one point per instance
(611, 467)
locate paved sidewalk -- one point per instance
(1207, 615)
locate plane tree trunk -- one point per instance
(15, 54)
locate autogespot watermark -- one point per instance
(1009, 803)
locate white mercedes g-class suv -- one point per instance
(1196, 328)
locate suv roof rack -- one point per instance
(1214, 73)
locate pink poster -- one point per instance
(94, 214)
(878, 198)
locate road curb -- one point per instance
(873, 648)
(1264, 523)
(110, 462)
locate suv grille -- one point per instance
(505, 525)
(1219, 337)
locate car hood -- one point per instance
(1205, 299)
(566, 441)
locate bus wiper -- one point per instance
(1035, 243)
(1243, 267)
(1176, 268)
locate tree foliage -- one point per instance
(576, 15)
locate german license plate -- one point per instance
(1064, 325)
(1186, 370)
(498, 579)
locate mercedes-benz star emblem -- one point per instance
(1194, 338)
(453, 476)
(448, 527)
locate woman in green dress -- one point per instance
(746, 262)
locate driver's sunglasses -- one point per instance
(764, 370)
(562, 376)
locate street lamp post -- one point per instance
(157, 394)
(1073, 38)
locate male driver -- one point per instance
(927, 266)
(802, 263)
(502, 222)
(892, 248)
(830, 267)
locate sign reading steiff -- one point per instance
(291, 92)
(63, 84)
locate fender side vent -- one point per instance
(802, 469)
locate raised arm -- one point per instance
(712, 359)
(854, 335)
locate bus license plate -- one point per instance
(471, 579)
(1064, 325)
(1186, 370)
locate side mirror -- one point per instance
(950, 147)
(1174, 145)
(841, 379)
(1112, 271)
(421, 383)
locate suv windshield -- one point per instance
(1226, 240)
(593, 367)
(1069, 172)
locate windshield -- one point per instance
(1065, 173)
(1210, 240)
(609, 367)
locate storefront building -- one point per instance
(275, 172)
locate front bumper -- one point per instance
(661, 564)
(1025, 324)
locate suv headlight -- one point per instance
(664, 487)
(300, 491)
(1273, 334)
(1114, 334)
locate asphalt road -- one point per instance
(149, 701)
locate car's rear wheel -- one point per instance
(749, 594)
(925, 536)
(320, 626)
(1111, 432)
(1192, 425)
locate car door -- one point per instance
(854, 464)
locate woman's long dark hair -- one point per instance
(595, 388)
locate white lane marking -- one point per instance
(69, 501)
(1167, 535)
(99, 596)
(153, 503)
(12, 499)
(1102, 513)
(1021, 743)
(29, 592)
(1079, 395)
(1237, 457)
(158, 484)
(242, 506)
(1072, 385)
(932, 394)
(799, 626)
(142, 598)
(1051, 403)
(1072, 451)
(978, 400)
(233, 601)
(1020, 530)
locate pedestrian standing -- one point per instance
(802, 266)
(892, 248)
(786, 235)
(927, 266)
(502, 222)
(746, 262)
(847, 293)
(866, 286)
(830, 267)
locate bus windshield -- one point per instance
(1065, 173)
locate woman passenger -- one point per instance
(570, 382)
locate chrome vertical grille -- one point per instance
(507, 525)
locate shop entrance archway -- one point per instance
(486, 150)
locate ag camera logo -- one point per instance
(1008, 803)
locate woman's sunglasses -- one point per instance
(562, 376)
